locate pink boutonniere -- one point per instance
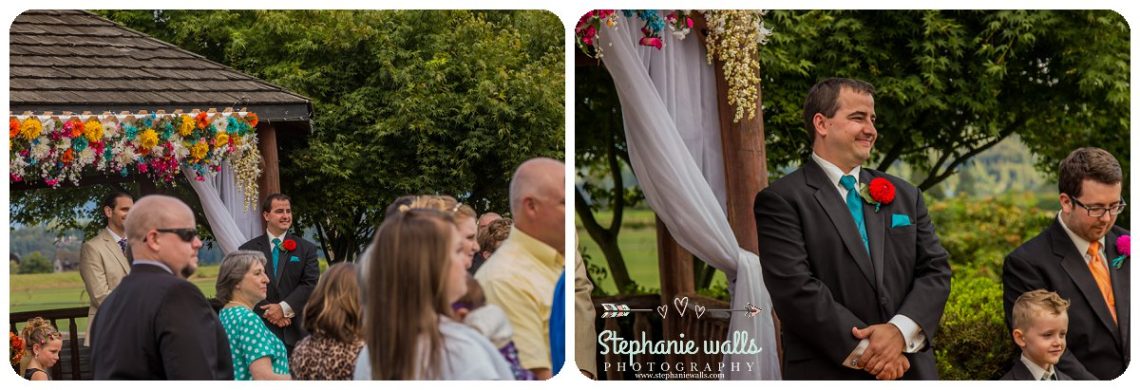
(1124, 247)
(880, 192)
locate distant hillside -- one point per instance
(27, 239)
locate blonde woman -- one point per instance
(417, 269)
(333, 319)
(257, 353)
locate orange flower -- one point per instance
(252, 119)
(13, 127)
(68, 157)
(76, 128)
(203, 120)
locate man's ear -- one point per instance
(819, 122)
(107, 211)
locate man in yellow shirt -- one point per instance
(520, 276)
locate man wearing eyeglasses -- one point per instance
(156, 324)
(1079, 257)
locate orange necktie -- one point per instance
(1100, 273)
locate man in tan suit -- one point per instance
(103, 260)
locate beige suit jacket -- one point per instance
(102, 265)
(584, 316)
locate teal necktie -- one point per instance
(855, 206)
(277, 251)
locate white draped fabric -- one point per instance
(221, 199)
(668, 101)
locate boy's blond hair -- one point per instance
(1035, 303)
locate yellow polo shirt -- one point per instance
(520, 278)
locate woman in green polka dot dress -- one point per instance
(257, 353)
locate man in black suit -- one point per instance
(291, 263)
(156, 324)
(859, 287)
(1077, 256)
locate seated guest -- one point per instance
(257, 353)
(1040, 322)
(43, 342)
(472, 309)
(332, 318)
(416, 270)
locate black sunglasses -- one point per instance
(186, 234)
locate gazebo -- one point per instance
(72, 68)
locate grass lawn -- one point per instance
(65, 289)
(638, 244)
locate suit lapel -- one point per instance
(876, 231)
(1074, 265)
(1120, 285)
(840, 218)
(115, 250)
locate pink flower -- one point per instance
(1124, 245)
(51, 182)
(15, 178)
(590, 32)
(689, 22)
(651, 41)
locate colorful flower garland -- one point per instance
(59, 148)
(734, 37)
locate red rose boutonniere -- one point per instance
(878, 193)
(1124, 247)
(289, 245)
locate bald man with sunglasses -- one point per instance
(156, 324)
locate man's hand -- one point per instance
(886, 346)
(275, 315)
(895, 369)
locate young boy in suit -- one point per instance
(1040, 322)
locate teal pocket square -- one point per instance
(900, 220)
(294, 259)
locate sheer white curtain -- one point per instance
(221, 200)
(668, 101)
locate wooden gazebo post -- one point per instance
(270, 181)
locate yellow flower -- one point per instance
(31, 128)
(93, 130)
(187, 126)
(198, 151)
(221, 139)
(148, 139)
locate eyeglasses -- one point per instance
(1097, 212)
(186, 234)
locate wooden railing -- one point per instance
(71, 355)
(712, 326)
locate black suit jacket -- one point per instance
(823, 282)
(1097, 348)
(158, 326)
(1020, 372)
(293, 283)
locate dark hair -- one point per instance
(111, 198)
(267, 204)
(394, 208)
(823, 98)
(1087, 163)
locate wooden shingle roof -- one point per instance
(67, 60)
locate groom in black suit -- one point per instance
(857, 278)
(291, 263)
(1078, 257)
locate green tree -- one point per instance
(951, 84)
(405, 102)
(36, 263)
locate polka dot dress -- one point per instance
(250, 340)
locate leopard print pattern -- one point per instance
(324, 358)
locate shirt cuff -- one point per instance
(852, 359)
(286, 310)
(913, 337)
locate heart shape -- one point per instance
(662, 310)
(681, 304)
(700, 310)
